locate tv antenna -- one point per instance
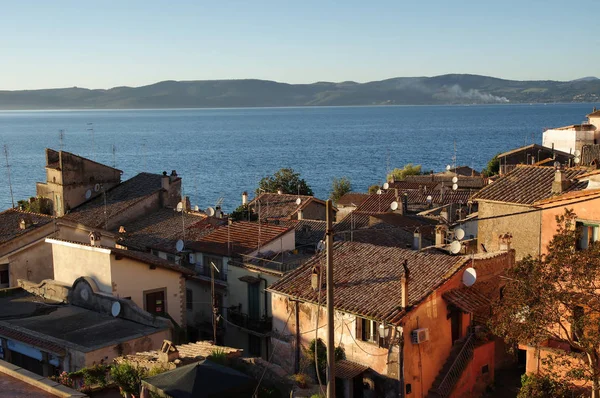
(61, 137)
(8, 173)
(114, 155)
(91, 130)
(455, 247)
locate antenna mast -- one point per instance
(114, 153)
(8, 173)
(91, 130)
(61, 137)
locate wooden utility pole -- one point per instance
(214, 301)
(330, 314)
(12, 198)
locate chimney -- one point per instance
(405, 203)
(279, 191)
(164, 181)
(300, 214)
(25, 223)
(94, 238)
(187, 206)
(417, 241)
(505, 241)
(440, 235)
(244, 198)
(404, 281)
(560, 183)
(173, 175)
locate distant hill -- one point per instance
(444, 89)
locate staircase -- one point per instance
(460, 356)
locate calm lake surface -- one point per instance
(222, 152)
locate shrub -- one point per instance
(128, 377)
(301, 379)
(540, 386)
(218, 355)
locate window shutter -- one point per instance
(358, 321)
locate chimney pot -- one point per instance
(404, 280)
(279, 192)
(244, 198)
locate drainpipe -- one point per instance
(297, 364)
(400, 330)
(266, 315)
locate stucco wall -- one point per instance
(525, 228)
(201, 311)
(72, 261)
(238, 290)
(33, 264)
(80, 234)
(131, 278)
(284, 242)
(473, 381)
(313, 211)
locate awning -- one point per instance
(250, 279)
(348, 370)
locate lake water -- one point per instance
(222, 152)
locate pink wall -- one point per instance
(473, 382)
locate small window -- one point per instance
(189, 299)
(485, 369)
(3, 276)
(408, 388)
(367, 330)
(171, 258)
(155, 252)
(588, 233)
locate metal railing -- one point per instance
(241, 319)
(457, 368)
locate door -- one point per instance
(253, 301)
(155, 302)
(455, 321)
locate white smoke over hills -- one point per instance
(456, 93)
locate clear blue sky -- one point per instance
(102, 44)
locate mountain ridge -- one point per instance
(436, 90)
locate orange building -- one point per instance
(404, 318)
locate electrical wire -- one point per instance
(255, 395)
(356, 343)
(317, 326)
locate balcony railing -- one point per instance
(260, 325)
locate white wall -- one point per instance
(284, 242)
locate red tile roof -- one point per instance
(345, 369)
(364, 274)
(242, 237)
(10, 223)
(118, 199)
(352, 199)
(273, 205)
(378, 203)
(476, 299)
(527, 185)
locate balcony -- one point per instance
(260, 325)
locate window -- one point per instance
(189, 299)
(171, 258)
(366, 330)
(408, 388)
(4, 275)
(155, 302)
(588, 234)
(218, 262)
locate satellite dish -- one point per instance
(448, 167)
(180, 206)
(379, 192)
(179, 245)
(455, 247)
(577, 159)
(459, 233)
(429, 198)
(97, 187)
(557, 164)
(88, 194)
(469, 276)
(394, 206)
(115, 310)
(298, 201)
(210, 211)
(320, 246)
(386, 186)
(454, 179)
(577, 153)
(196, 208)
(192, 259)
(454, 187)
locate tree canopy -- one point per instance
(408, 170)
(492, 168)
(286, 180)
(556, 297)
(340, 187)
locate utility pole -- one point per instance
(8, 173)
(330, 315)
(214, 301)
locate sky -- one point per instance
(104, 44)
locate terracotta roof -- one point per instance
(118, 199)
(465, 171)
(273, 205)
(595, 113)
(352, 199)
(10, 333)
(417, 197)
(308, 232)
(242, 237)
(527, 185)
(403, 185)
(10, 223)
(570, 196)
(345, 369)
(162, 228)
(365, 273)
(151, 259)
(535, 146)
(378, 203)
(463, 181)
(476, 299)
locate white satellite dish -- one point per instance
(88, 194)
(298, 201)
(196, 208)
(179, 245)
(97, 187)
(192, 259)
(469, 276)
(115, 310)
(379, 192)
(210, 211)
(459, 233)
(386, 186)
(448, 167)
(454, 187)
(320, 246)
(455, 247)
(577, 160)
(394, 206)
(180, 206)
(557, 164)
(454, 179)
(577, 153)
(429, 198)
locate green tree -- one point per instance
(287, 180)
(128, 377)
(374, 188)
(36, 205)
(555, 297)
(543, 386)
(321, 356)
(243, 213)
(492, 168)
(408, 170)
(340, 187)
